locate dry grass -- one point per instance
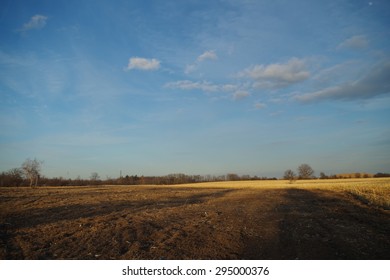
(371, 191)
(378, 196)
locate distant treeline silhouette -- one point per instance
(15, 178)
(29, 174)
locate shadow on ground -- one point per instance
(325, 225)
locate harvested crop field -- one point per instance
(311, 219)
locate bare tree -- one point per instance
(232, 177)
(94, 177)
(305, 171)
(13, 177)
(31, 169)
(289, 175)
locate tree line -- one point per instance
(29, 174)
(305, 171)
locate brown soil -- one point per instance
(160, 222)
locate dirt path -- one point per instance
(189, 223)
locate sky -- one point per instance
(196, 87)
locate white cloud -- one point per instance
(189, 85)
(278, 74)
(36, 22)
(355, 42)
(376, 82)
(207, 55)
(240, 94)
(143, 64)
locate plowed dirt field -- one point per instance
(240, 220)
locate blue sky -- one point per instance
(197, 87)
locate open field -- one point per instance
(308, 219)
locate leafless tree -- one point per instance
(289, 175)
(94, 176)
(305, 171)
(31, 169)
(13, 177)
(232, 177)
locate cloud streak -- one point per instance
(236, 92)
(240, 94)
(207, 55)
(189, 85)
(277, 75)
(354, 42)
(36, 22)
(375, 83)
(143, 64)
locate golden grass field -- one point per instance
(374, 191)
(305, 219)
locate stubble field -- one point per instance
(308, 219)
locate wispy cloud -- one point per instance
(354, 42)
(376, 82)
(240, 94)
(230, 87)
(143, 64)
(211, 55)
(207, 55)
(235, 91)
(337, 73)
(36, 22)
(190, 85)
(190, 68)
(278, 74)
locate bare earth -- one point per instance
(202, 221)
